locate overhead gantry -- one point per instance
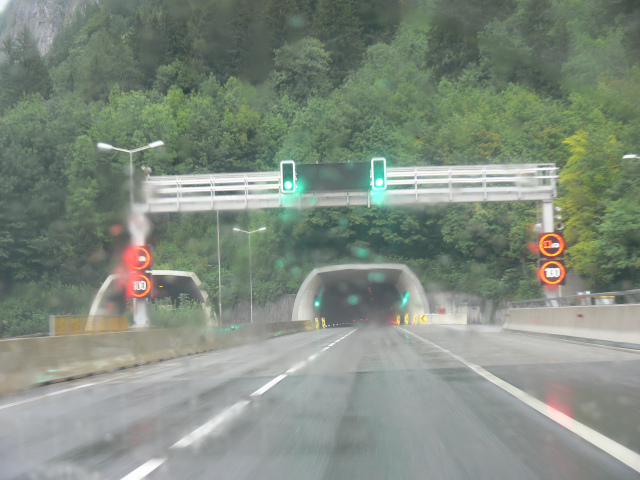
(404, 186)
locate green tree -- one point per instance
(301, 70)
(597, 152)
(32, 186)
(337, 26)
(22, 72)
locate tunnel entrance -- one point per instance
(375, 293)
(178, 286)
(353, 302)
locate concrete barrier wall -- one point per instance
(446, 319)
(610, 323)
(28, 362)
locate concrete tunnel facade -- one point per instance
(345, 284)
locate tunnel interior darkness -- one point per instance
(177, 289)
(354, 302)
(375, 292)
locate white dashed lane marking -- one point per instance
(145, 469)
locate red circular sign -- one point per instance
(552, 272)
(137, 257)
(138, 285)
(551, 244)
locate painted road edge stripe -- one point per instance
(209, 427)
(613, 448)
(59, 392)
(145, 469)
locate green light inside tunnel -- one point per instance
(317, 303)
(405, 299)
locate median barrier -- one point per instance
(607, 323)
(444, 319)
(28, 362)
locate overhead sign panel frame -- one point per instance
(334, 177)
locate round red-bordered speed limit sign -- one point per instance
(552, 272)
(138, 285)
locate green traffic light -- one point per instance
(405, 299)
(288, 176)
(379, 173)
(317, 303)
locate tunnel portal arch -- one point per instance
(398, 276)
(110, 298)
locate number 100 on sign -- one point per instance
(552, 272)
(138, 285)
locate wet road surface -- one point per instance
(371, 403)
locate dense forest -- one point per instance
(238, 85)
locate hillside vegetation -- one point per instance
(238, 85)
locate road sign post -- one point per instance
(137, 259)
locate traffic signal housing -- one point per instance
(379, 173)
(287, 176)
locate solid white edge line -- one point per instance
(312, 357)
(52, 394)
(211, 425)
(266, 387)
(145, 469)
(613, 448)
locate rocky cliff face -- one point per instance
(45, 18)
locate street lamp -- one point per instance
(235, 229)
(140, 316)
(106, 146)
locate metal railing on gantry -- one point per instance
(405, 186)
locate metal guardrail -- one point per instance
(406, 185)
(606, 298)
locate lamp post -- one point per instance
(235, 229)
(106, 146)
(139, 233)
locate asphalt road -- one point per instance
(418, 402)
